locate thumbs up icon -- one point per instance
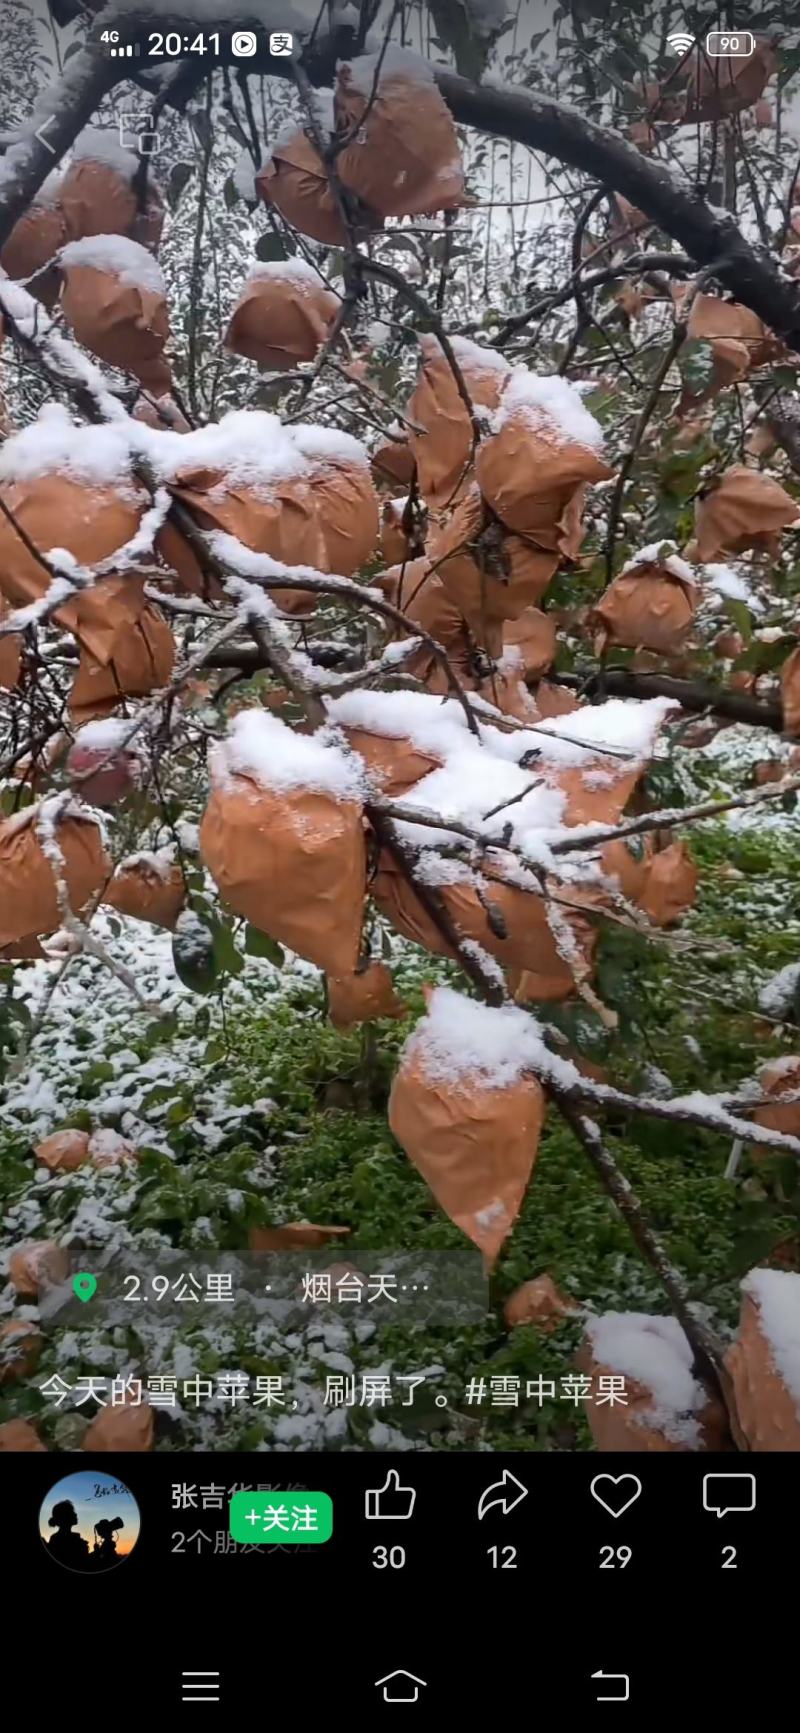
(390, 1502)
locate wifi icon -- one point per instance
(680, 44)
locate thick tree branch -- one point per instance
(697, 696)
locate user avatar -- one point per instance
(89, 1522)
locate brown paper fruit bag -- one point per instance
(141, 661)
(651, 604)
(301, 494)
(721, 87)
(403, 157)
(395, 544)
(97, 192)
(670, 887)
(30, 255)
(20, 1347)
(28, 892)
(20, 1435)
(529, 643)
(666, 1408)
(509, 923)
(443, 451)
(359, 997)
(393, 763)
(294, 179)
(283, 837)
(746, 509)
(393, 462)
(283, 314)
(67, 487)
(764, 1360)
(149, 887)
(63, 1151)
(490, 575)
(533, 470)
(467, 1115)
(114, 300)
(424, 600)
(540, 1303)
(790, 692)
(294, 1237)
(778, 1077)
(128, 1428)
(10, 653)
(37, 1262)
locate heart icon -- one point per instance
(616, 1492)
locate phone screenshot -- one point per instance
(399, 865)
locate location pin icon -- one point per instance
(84, 1285)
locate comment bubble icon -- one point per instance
(726, 1494)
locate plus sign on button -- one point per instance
(281, 1518)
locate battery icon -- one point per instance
(730, 44)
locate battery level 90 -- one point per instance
(730, 44)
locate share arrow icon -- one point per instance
(507, 1493)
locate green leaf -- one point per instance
(742, 619)
(194, 954)
(270, 246)
(162, 1029)
(258, 944)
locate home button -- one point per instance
(400, 1686)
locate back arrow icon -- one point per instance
(43, 129)
(500, 1492)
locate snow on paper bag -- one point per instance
(402, 156)
(746, 509)
(764, 1360)
(490, 575)
(344, 496)
(651, 604)
(778, 1077)
(301, 494)
(63, 1151)
(283, 837)
(67, 487)
(30, 253)
(97, 193)
(359, 997)
(667, 1407)
(443, 449)
(294, 179)
(534, 467)
(393, 763)
(150, 887)
(29, 900)
(283, 314)
(114, 300)
(467, 1115)
(35, 1263)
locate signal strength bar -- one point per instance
(130, 50)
